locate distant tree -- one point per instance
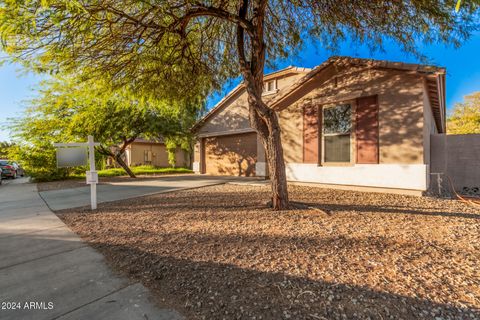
(141, 43)
(465, 116)
(69, 110)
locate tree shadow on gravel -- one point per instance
(204, 204)
(175, 202)
(207, 290)
(331, 208)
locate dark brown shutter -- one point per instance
(310, 134)
(366, 130)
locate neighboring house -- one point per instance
(349, 121)
(152, 152)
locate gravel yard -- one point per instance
(219, 253)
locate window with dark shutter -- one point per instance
(337, 125)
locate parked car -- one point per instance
(11, 169)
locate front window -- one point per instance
(270, 86)
(147, 156)
(337, 125)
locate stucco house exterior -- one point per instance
(348, 121)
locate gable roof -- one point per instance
(240, 87)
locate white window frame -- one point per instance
(275, 87)
(352, 134)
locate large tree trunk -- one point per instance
(276, 165)
(119, 160)
(268, 128)
(263, 119)
(117, 155)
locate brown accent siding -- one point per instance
(310, 134)
(233, 155)
(366, 130)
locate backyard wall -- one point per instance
(456, 157)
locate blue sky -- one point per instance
(15, 87)
(463, 73)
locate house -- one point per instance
(152, 152)
(349, 121)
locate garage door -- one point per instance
(233, 155)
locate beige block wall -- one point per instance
(182, 158)
(400, 98)
(159, 155)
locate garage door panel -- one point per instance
(233, 155)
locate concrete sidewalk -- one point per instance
(47, 272)
(79, 197)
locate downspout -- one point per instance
(441, 92)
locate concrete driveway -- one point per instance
(47, 272)
(79, 197)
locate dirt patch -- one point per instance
(218, 253)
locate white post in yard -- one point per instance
(93, 182)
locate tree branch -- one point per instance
(199, 10)
(244, 64)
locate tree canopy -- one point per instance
(161, 46)
(465, 116)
